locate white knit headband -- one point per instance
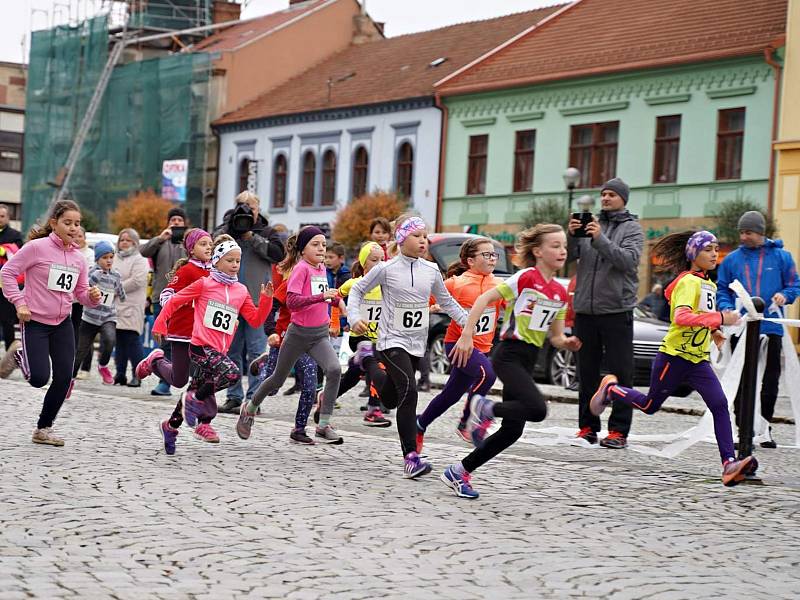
(222, 249)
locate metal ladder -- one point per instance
(65, 173)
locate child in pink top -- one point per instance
(307, 297)
(218, 299)
(55, 274)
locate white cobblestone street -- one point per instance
(111, 516)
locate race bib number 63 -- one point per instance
(220, 317)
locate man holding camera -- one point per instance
(608, 249)
(261, 248)
(164, 251)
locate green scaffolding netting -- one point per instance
(153, 110)
(172, 14)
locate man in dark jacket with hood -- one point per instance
(766, 270)
(261, 248)
(605, 294)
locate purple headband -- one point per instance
(698, 241)
(192, 238)
(408, 227)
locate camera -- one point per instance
(585, 203)
(177, 234)
(241, 220)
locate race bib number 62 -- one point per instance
(411, 316)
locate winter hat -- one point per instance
(222, 249)
(407, 227)
(102, 248)
(698, 241)
(753, 220)
(192, 237)
(306, 235)
(176, 212)
(365, 251)
(617, 186)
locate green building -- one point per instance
(676, 98)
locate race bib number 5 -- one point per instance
(544, 313)
(412, 316)
(220, 317)
(62, 278)
(708, 298)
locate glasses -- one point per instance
(490, 255)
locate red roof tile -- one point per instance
(592, 37)
(388, 69)
(246, 31)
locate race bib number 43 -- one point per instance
(62, 278)
(220, 317)
(412, 316)
(544, 313)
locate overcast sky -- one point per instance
(400, 16)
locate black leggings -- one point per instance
(41, 345)
(400, 391)
(88, 331)
(129, 349)
(513, 361)
(369, 367)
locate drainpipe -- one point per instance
(437, 100)
(769, 57)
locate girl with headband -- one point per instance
(175, 371)
(684, 354)
(364, 361)
(307, 297)
(407, 282)
(218, 300)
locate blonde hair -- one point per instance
(245, 196)
(530, 239)
(292, 256)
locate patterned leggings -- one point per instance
(212, 372)
(306, 375)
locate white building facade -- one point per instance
(306, 167)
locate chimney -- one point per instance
(365, 29)
(223, 11)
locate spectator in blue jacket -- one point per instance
(766, 270)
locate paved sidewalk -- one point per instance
(111, 516)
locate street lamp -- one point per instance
(571, 178)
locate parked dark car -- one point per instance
(553, 366)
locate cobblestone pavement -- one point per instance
(111, 516)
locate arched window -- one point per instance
(360, 172)
(309, 177)
(244, 174)
(328, 178)
(279, 182)
(405, 169)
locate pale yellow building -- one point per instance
(13, 77)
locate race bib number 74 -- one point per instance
(544, 313)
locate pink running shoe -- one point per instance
(206, 432)
(105, 373)
(145, 367)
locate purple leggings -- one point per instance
(476, 377)
(669, 373)
(305, 372)
(176, 371)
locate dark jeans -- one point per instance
(41, 345)
(513, 361)
(77, 313)
(771, 379)
(166, 346)
(369, 368)
(88, 331)
(8, 318)
(400, 391)
(610, 336)
(129, 350)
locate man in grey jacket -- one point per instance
(164, 251)
(605, 295)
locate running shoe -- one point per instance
(257, 362)
(601, 399)
(768, 442)
(145, 367)
(192, 408)
(587, 434)
(69, 389)
(162, 389)
(375, 418)
(244, 424)
(363, 350)
(206, 432)
(734, 471)
(46, 436)
(414, 467)
(299, 436)
(462, 431)
(169, 434)
(328, 435)
(8, 364)
(317, 407)
(82, 375)
(105, 374)
(19, 358)
(480, 419)
(460, 484)
(614, 441)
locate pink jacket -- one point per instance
(202, 292)
(35, 259)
